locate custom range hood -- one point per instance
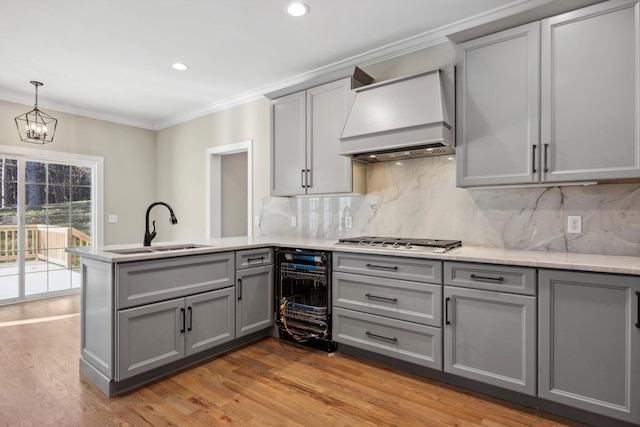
(404, 118)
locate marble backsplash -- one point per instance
(419, 199)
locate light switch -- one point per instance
(113, 219)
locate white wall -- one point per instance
(181, 163)
(129, 163)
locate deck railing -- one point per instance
(43, 243)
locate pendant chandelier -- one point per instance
(36, 126)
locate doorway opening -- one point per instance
(229, 190)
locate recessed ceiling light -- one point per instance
(180, 66)
(298, 9)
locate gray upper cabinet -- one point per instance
(498, 120)
(589, 342)
(306, 127)
(555, 101)
(590, 86)
(288, 144)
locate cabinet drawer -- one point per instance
(418, 270)
(401, 340)
(399, 299)
(515, 280)
(254, 258)
(145, 282)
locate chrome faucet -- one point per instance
(149, 236)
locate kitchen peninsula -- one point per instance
(566, 290)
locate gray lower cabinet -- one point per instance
(389, 306)
(141, 315)
(589, 342)
(153, 335)
(490, 335)
(254, 294)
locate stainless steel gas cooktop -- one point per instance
(432, 245)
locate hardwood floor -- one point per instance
(270, 383)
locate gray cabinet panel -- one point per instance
(210, 319)
(149, 337)
(255, 295)
(254, 258)
(327, 109)
(145, 282)
(97, 334)
(305, 144)
(590, 84)
(415, 269)
(401, 299)
(589, 342)
(498, 96)
(402, 340)
(288, 148)
(491, 337)
(517, 280)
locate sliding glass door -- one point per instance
(47, 206)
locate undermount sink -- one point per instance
(152, 249)
(177, 247)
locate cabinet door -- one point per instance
(327, 109)
(254, 294)
(491, 337)
(150, 336)
(589, 337)
(498, 95)
(210, 319)
(590, 86)
(288, 145)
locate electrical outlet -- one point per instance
(113, 219)
(293, 221)
(348, 222)
(574, 224)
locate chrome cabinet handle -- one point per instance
(382, 267)
(381, 298)
(382, 337)
(487, 279)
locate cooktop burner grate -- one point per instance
(396, 242)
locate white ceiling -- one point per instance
(111, 59)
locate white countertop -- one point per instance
(556, 260)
